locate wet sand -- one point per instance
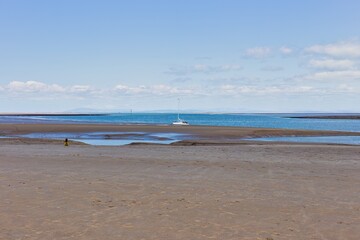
(218, 191)
(217, 134)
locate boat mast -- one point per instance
(178, 109)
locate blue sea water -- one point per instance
(283, 121)
(239, 120)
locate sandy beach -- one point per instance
(204, 191)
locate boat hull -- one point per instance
(180, 123)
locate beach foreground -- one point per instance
(244, 191)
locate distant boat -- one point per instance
(179, 121)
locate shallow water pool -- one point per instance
(112, 138)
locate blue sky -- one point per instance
(215, 55)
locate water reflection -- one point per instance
(112, 138)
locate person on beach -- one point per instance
(66, 142)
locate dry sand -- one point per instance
(243, 191)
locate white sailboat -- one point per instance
(179, 121)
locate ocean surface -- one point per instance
(283, 120)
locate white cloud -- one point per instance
(272, 68)
(234, 89)
(200, 68)
(33, 87)
(230, 67)
(346, 88)
(342, 49)
(80, 89)
(285, 50)
(131, 90)
(43, 90)
(332, 64)
(160, 89)
(335, 75)
(40, 90)
(164, 89)
(258, 52)
(203, 68)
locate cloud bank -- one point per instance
(202, 69)
(258, 52)
(342, 49)
(326, 70)
(332, 64)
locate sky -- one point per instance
(213, 55)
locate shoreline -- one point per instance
(193, 135)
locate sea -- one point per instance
(278, 120)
